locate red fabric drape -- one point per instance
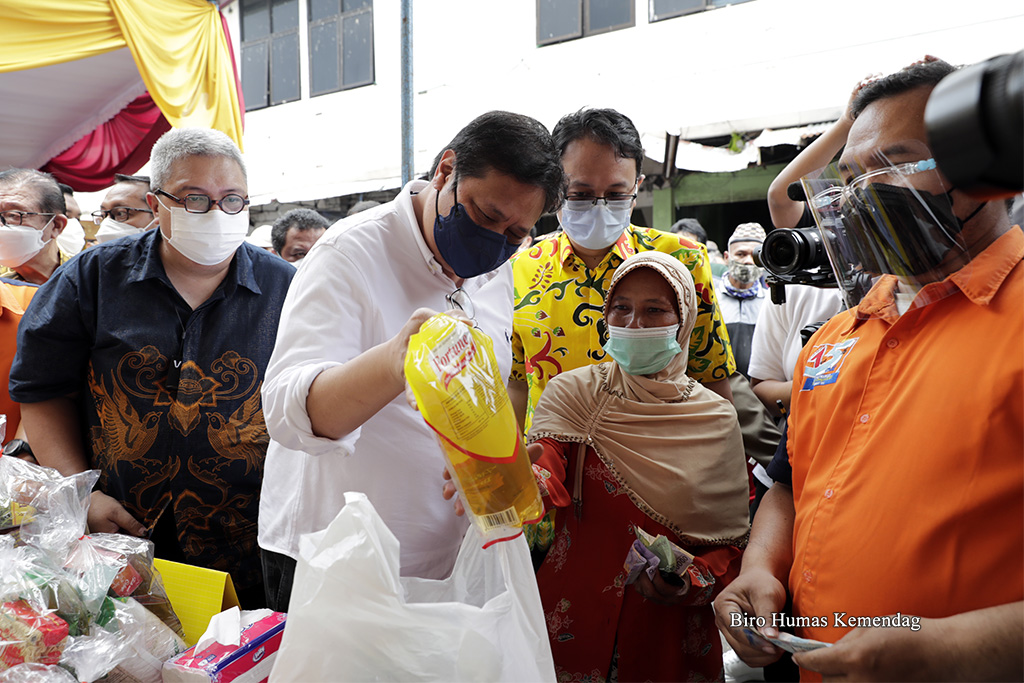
(234, 65)
(121, 145)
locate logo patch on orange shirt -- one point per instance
(824, 363)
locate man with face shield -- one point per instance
(124, 210)
(902, 529)
(32, 215)
(143, 358)
(334, 393)
(561, 282)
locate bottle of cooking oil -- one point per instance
(453, 374)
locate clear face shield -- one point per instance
(888, 214)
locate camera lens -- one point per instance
(788, 250)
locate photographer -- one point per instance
(901, 539)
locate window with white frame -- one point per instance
(340, 45)
(666, 9)
(270, 52)
(561, 20)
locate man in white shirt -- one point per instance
(333, 397)
(777, 342)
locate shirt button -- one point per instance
(808, 576)
(864, 418)
(828, 493)
(892, 343)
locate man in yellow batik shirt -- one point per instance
(560, 282)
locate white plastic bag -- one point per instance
(352, 618)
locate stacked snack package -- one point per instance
(72, 603)
(459, 391)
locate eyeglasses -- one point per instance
(584, 202)
(118, 213)
(459, 300)
(18, 217)
(200, 203)
(837, 194)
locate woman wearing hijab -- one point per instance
(637, 443)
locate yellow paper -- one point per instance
(196, 594)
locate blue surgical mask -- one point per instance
(597, 227)
(466, 247)
(643, 350)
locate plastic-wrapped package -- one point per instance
(27, 573)
(60, 591)
(151, 643)
(36, 673)
(50, 509)
(94, 655)
(452, 371)
(130, 648)
(121, 566)
(30, 634)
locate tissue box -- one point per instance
(248, 662)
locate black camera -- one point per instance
(794, 256)
(975, 124)
(789, 251)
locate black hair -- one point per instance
(51, 198)
(605, 126)
(692, 226)
(300, 219)
(512, 144)
(66, 189)
(917, 75)
(122, 178)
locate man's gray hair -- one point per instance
(180, 143)
(47, 192)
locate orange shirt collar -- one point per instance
(8, 302)
(979, 280)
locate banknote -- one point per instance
(785, 641)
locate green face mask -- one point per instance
(644, 350)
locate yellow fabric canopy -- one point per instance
(179, 47)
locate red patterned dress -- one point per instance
(592, 616)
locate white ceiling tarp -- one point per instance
(52, 105)
(693, 156)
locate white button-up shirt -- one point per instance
(356, 289)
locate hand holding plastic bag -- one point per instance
(352, 618)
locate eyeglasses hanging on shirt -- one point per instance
(459, 300)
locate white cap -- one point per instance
(260, 237)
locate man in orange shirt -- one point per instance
(901, 536)
(14, 298)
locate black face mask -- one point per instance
(467, 248)
(901, 231)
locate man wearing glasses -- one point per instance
(896, 523)
(153, 347)
(124, 210)
(560, 283)
(334, 394)
(32, 215)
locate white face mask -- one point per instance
(598, 227)
(110, 229)
(207, 238)
(19, 243)
(71, 240)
